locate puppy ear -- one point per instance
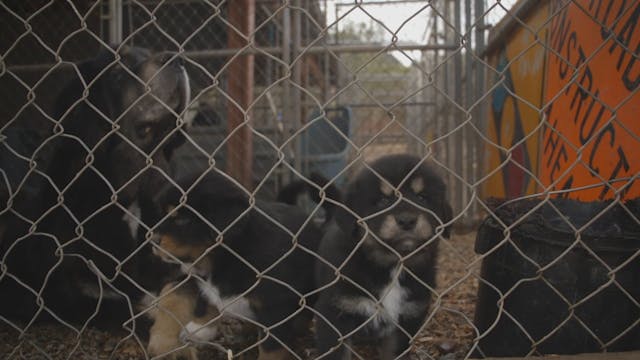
(96, 65)
(345, 219)
(221, 202)
(446, 216)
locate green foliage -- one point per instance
(371, 33)
(361, 33)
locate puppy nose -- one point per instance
(155, 238)
(406, 221)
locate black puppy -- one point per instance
(83, 261)
(252, 262)
(379, 257)
(293, 193)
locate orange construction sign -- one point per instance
(592, 100)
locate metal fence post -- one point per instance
(115, 21)
(480, 111)
(297, 78)
(287, 113)
(469, 141)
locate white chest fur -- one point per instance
(235, 305)
(393, 298)
(386, 312)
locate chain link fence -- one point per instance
(525, 109)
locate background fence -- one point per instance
(418, 70)
(526, 100)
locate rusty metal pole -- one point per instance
(240, 89)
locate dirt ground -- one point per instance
(447, 335)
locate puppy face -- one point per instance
(212, 211)
(401, 206)
(134, 101)
(154, 89)
(182, 238)
(402, 222)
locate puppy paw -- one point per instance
(198, 332)
(279, 354)
(165, 348)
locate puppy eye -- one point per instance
(143, 131)
(422, 197)
(182, 221)
(386, 201)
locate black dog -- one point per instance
(115, 136)
(293, 193)
(381, 253)
(252, 262)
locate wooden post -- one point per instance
(240, 89)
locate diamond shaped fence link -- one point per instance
(524, 109)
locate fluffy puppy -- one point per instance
(377, 271)
(116, 133)
(252, 262)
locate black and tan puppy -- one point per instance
(380, 255)
(252, 262)
(116, 130)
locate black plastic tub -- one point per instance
(548, 290)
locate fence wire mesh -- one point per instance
(146, 147)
